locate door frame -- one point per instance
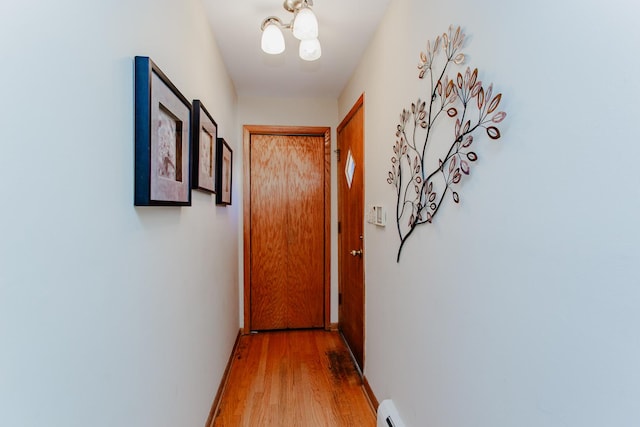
(324, 132)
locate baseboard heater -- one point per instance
(388, 415)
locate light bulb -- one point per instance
(305, 25)
(310, 50)
(272, 39)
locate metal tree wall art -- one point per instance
(434, 147)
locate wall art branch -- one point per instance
(434, 147)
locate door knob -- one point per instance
(356, 252)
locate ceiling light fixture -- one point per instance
(304, 27)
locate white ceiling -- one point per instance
(346, 26)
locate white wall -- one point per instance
(518, 306)
(110, 315)
(296, 112)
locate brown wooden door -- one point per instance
(287, 231)
(350, 236)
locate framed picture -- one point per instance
(204, 136)
(162, 144)
(223, 175)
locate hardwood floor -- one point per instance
(293, 378)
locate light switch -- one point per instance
(379, 215)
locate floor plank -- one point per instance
(293, 378)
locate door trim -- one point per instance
(325, 132)
(359, 103)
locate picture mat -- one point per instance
(163, 186)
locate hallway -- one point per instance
(293, 378)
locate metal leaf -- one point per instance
(459, 59)
(464, 166)
(457, 176)
(452, 112)
(489, 92)
(460, 81)
(433, 206)
(498, 117)
(456, 198)
(452, 164)
(460, 41)
(493, 132)
(472, 156)
(474, 78)
(494, 103)
(449, 88)
(432, 197)
(480, 98)
(476, 89)
(468, 141)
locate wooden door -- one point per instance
(287, 216)
(305, 224)
(269, 240)
(350, 229)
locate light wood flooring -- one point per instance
(293, 378)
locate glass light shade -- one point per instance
(272, 40)
(310, 50)
(305, 25)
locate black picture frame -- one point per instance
(162, 139)
(224, 176)
(204, 137)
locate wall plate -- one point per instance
(379, 215)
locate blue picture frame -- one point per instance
(204, 137)
(224, 156)
(162, 139)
